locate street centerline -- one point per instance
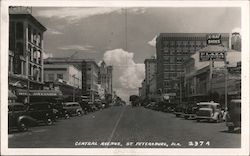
(116, 124)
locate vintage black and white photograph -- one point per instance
(124, 77)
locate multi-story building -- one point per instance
(205, 81)
(25, 53)
(89, 69)
(150, 70)
(92, 71)
(172, 49)
(64, 77)
(236, 41)
(105, 77)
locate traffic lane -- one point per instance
(144, 125)
(93, 127)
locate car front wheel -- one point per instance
(230, 128)
(22, 127)
(79, 113)
(49, 122)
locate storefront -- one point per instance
(38, 95)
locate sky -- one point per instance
(124, 37)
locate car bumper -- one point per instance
(204, 117)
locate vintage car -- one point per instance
(233, 116)
(210, 111)
(59, 111)
(73, 108)
(18, 118)
(179, 110)
(42, 112)
(190, 112)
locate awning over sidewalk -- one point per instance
(22, 92)
(11, 95)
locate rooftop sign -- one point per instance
(213, 39)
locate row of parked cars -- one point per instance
(208, 111)
(22, 116)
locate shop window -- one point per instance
(19, 30)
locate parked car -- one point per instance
(59, 111)
(85, 107)
(18, 118)
(233, 117)
(210, 111)
(190, 112)
(179, 110)
(73, 108)
(41, 111)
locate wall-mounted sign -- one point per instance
(210, 55)
(213, 39)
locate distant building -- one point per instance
(150, 70)
(236, 41)
(25, 53)
(172, 49)
(105, 77)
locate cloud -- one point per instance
(53, 31)
(75, 14)
(47, 55)
(76, 47)
(127, 74)
(152, 42)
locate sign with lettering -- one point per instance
(213, 39)
(212, 55)
(20, 10)
(38, 93)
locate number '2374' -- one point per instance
(198, 143)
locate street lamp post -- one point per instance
(74, 88)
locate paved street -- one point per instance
(126, 127)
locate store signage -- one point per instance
(24, 93)
(213, 39)
(212, 55)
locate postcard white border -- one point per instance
(244, 150)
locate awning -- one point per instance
(11, 95)
(22, 92)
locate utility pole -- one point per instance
(226, 79)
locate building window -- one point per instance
(60, 76)
(12, 31)
(50, 77)
(19, 48)
(19, 30)
(29, 33)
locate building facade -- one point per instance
(172, 49)
(150, 70)
(236, 41)
(25, 53)
(64, 72)
(204, 81)
(105, 77)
